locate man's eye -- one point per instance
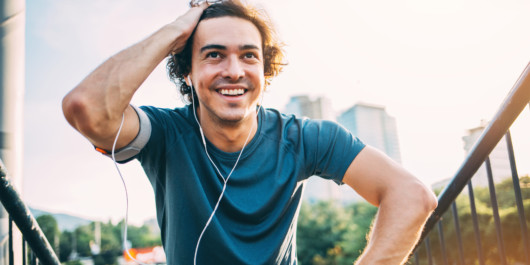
(250, 55)
(213, 55)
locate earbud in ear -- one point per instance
(188, 78)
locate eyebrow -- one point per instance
(248, 47)
(213, 47)
(222, 47)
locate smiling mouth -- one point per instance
(232, 92)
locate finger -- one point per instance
(195, 11)
(199, 8)
(202, 4)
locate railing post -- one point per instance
(33, 258)
(11, 252)
(513, 105)
(518, 197)
(24, 251)
(475, 223)
(428, 249)
(442, 242)
(458, 234)
(495, 208)
(24, 220)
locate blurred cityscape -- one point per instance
(369, 122)
(375, 127)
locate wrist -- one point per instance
(177, 35)
(171, 36)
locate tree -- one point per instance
(354, 241)
(140, 237)
(66, 245)
(49, 227)
(329, 233)
(510, 226)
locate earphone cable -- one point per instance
(225, 181)
(125, 224)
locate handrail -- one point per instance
(25, 221)
(513, 105)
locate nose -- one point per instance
(233, 69)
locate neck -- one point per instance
(228, 136)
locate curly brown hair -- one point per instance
(179, 65)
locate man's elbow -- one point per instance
(71, 106)
(79, 113)
(426, 199)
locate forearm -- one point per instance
(397, 227)
(95, 107)
(103, 95)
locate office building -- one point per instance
(500, 162)
(304, 106)
(319, 108)
(374, 126)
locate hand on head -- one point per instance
(186, 23)
(194, 3)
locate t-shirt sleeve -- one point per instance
(329, 149)
(128, 152)
(150, 138)
(154, 149)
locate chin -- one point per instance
(234, 116)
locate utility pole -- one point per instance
(12, 22)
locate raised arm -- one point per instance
(404, 206)
(95, 106)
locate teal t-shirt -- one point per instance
(257, 217)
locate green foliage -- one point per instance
(329, 233)
(509, 222)
(73, 262)
(140, 237)
(65, 245)
(362, 215)
(83, 236)
(49, 227)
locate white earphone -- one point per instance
(125, 224)
(225, 180)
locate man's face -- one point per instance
(227, 68)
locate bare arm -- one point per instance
(404, 206)
(95, 106)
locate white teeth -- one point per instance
(232, 92)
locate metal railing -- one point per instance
(19, 214)
(469, 246)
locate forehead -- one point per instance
(226, 31)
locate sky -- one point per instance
(439, 67)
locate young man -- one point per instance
(227, 174)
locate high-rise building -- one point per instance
(303, 106)
(374, 127)
(499, 160)
(369, 122)
(318, 108)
